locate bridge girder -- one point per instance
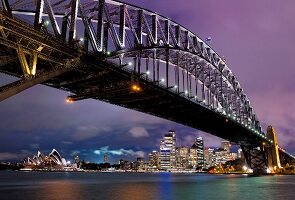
(25, 83)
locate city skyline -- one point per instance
(40, 118)
(169, 142)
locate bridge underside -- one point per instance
(99, 80)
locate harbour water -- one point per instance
(141, 186)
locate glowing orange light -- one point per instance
(69, 100)
(136, 88)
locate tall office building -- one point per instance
(225, 145)
(193, 156)
(209, 158)
(168, 151)
(240, 153)
(154, 160)
(199, 142)
(222, 156)
(140, 163)
(182, 157)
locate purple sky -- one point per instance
(257, 40)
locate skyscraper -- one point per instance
(225, 145)
(199, 142)
(168, 151)
(193, 156)
(240, 153)
(182, 157)
(154, 160)
(222, 156)
(209, 158)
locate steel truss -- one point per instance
(256, 158)
(20, 85)
(125, 32)
(30, 45)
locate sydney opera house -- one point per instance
(52, 161)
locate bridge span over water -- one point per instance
(132, 57)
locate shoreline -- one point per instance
(149, 172)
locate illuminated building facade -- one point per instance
(225, 145)
(154, 160)
(182, 157)
(199, 142)
(50, 161)
(168, 151)
(209, 158)
(240, 153)
(193, 156)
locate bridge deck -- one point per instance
(102, 81)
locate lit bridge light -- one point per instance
(136, 88)
(69, 100)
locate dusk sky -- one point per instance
(257, 40)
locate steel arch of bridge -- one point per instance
(162, 50)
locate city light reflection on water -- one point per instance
(139, 191)
(165, 186)
(142, 186)
(58, 189)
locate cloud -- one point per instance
(75, 152)
(8, 156)
(138, 132)
(209, 140)
(67, 142)
(34, 146)
(188, 140)
(279, 114)
(119, 152)
(87, 132)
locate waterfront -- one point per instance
(141, 186)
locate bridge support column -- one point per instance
(64, 27)
(29, 69)
(73, 22)
(256, 158)
(20, 85)
(272, 150)
(38, 14)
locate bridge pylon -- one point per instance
(264, 158)
(256, 158)
(272, 151)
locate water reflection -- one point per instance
(135, 191)
(131, 186)
(165, 186)
(58, 189)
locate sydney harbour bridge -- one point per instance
(132, 57)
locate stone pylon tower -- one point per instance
(272, 151)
